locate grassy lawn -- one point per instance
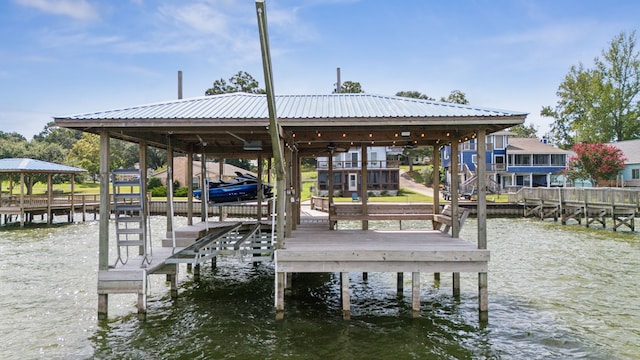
(65, 188)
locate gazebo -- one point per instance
(25, 205)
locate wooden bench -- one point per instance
(445, 219)
(379, 211)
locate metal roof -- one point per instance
(254, 106)
(12, 165)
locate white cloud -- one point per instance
(77, 9)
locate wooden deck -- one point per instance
(314, 248)
(593, 205)
(33, 205)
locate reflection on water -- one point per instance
(555, 292)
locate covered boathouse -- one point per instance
(237, 125)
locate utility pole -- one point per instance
(338, 84)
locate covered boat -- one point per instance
(242, 187)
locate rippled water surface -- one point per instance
(554, 292)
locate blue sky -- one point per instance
(61, 57)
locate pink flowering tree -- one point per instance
(595, 162)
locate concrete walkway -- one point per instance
(407, 182)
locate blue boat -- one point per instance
(241, 188)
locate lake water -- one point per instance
(555, 292)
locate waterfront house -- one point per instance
(383, 175)
(630, 176)
(512, 162)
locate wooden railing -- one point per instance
(42, 201)
(371, 164)
(595, 196)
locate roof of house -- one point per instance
(630, 149)
(532, 146)
(23, 165)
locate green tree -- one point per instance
(414, 95)
(12, 145)
(240, 82)
(85, 154)
(351, 87)
(456, 97)
(524, 131)
(51, 133)
(601, 104)
(595, 162)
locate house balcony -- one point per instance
(373, 164)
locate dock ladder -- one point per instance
(130, 215)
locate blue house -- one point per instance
(631, 173)
(511, 162)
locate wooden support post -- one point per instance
(169, 185)
(289, 193)
(365, 276)
(144, 202)
(415, 294)
(221, 212)
(287, 281)
(483, 297)
(279, 295)
(456, 284)
(363, 186)
(455, 182)
(22, 213)
(142, 305)
(260, 191)
(203, 185)
(346, 300)
(214, 262)
(50, 199)
(103, 306)
(330, 190)
(436, 280)
(400, 284)
(189, 177)
(105, 211)
(174, 282)
(196, 272)
(73, 191)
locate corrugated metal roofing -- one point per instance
(32, 165)
(254, 106)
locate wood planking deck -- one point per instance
(313, 249)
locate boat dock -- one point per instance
(24, 211)
(598, 206)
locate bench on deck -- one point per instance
(379, 211)
(445, 219)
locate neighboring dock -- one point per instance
(12, 210)
(620, 206)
